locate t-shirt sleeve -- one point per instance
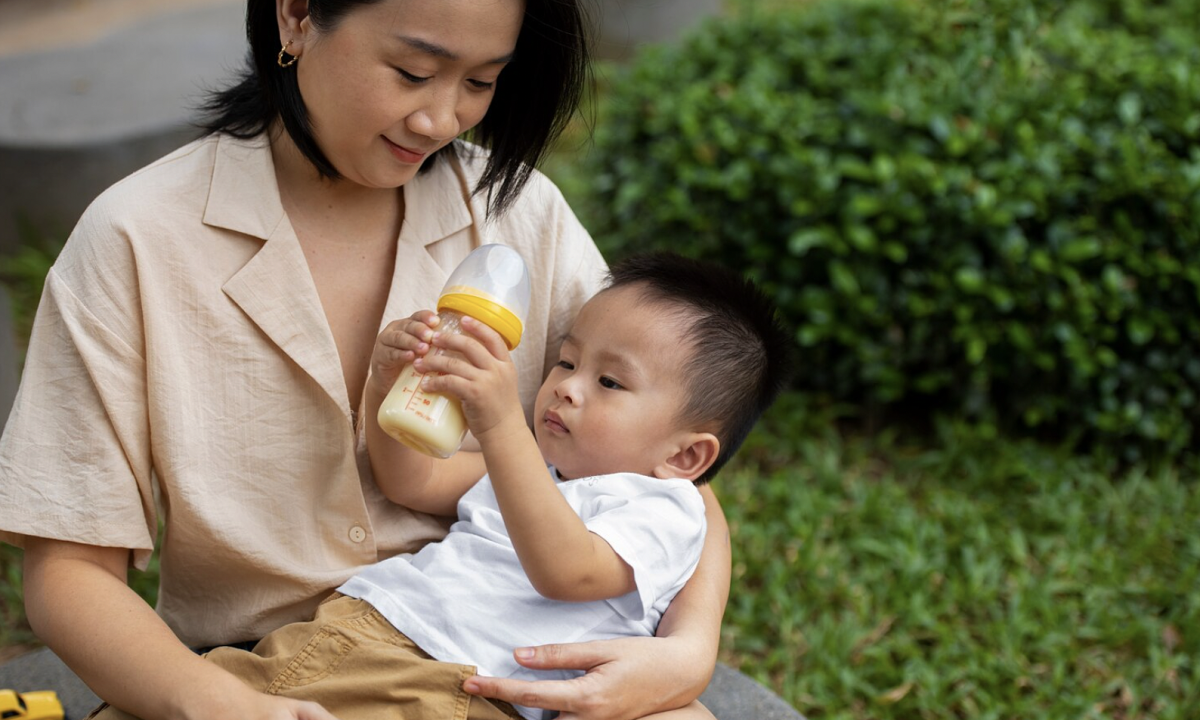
(75, 456)
(659, 532)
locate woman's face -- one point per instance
(395, 80)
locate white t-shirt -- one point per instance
(467, 600)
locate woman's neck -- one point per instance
(311, 200)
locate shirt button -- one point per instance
(357, 534)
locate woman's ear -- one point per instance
(292, 16)
(694, 453)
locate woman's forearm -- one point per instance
(695, 613)
(79, 605)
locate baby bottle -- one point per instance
(492, 286)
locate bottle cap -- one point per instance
(492, 286)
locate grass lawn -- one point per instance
(973, 578)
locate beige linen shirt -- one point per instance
(181, 354)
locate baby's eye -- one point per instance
(607, 382)
(566, 365)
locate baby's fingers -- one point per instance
(427, 317)
(488, 338)
(408, 335)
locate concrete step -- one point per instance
(730, 696)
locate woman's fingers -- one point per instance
(625, 678)
(590, 696)
(571, 697)
(567, 656)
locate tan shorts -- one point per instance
(354, 663)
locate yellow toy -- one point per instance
(41, 705)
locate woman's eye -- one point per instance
(481, 84)
(417, 79)
(607, 382)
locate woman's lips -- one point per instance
(554, 423)
(403, 154)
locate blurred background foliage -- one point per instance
(981, 218)
(983, 208)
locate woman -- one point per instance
(203, 344)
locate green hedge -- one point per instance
(983, 208)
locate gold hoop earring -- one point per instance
(279, 60)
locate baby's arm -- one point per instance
(405, 476)
(561, 557)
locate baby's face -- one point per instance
(610, 403)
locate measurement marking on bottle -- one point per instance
(424, 407)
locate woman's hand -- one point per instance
(631, 678)
(626, 678)
(400, 343)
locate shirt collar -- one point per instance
(244, 196)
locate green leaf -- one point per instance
(1079, 249)
(1140, 330)
(804, 240)
(976, 349)
(1129, 108)
(969, 279)
(843, 279)
(861, 237)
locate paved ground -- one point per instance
(94, 71)
(91, 90)
(27, 25)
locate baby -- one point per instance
(583, 529)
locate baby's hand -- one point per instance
(477, 370)
(400, 343)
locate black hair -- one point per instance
(741, 351)
(535, 96)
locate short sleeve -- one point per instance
(659, 532)
(74, 456)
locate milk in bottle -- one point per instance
(492, 286)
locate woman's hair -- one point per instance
(534, 100)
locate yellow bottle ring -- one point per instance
(494, 315)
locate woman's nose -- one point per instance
(437, 119)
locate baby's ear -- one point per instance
(694, 453)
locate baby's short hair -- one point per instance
(741, 352)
